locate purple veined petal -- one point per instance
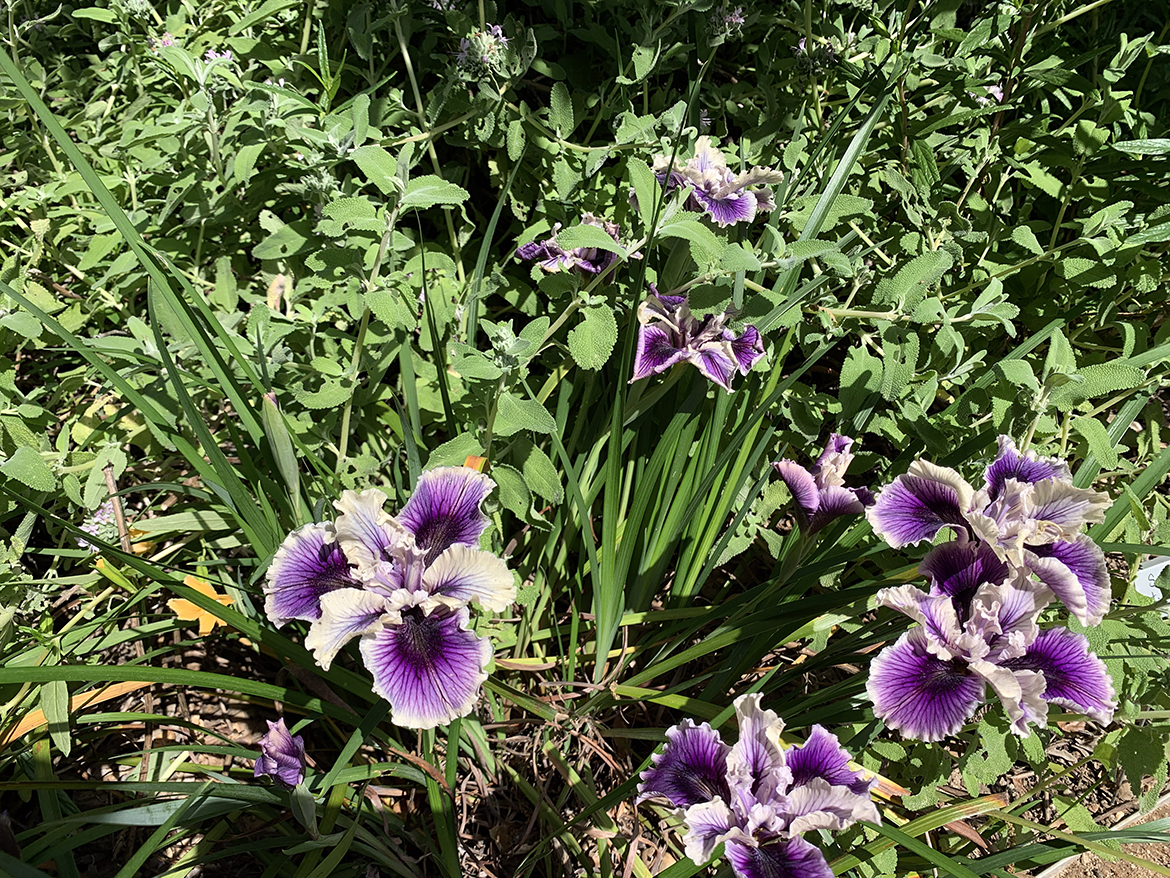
(756, 762)
(835, 502)
(708, 825)
(779, 858)
(657, 351)
(834, 461)
(1010, 464)
(706, 157)
(345, 614)
(471, 576)
(956, 569)
(747, 348)
(803, 488)
(429, 666)
(1076, 678)
(282, 755)
(1087, 593)
(715, 361)
(820, 805)
(308, 565)
(1021, 693)
(365, 530)
(920, 695)
(692, 767)
(940, 629)
(444, 509)
(735, 207)
(916, 506)
(823, 756)
(1062, 509)
(1004, 616)
(534, 250)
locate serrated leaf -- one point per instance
(455, 451)
(516, 140)
(1019, 373)
(476, 365)
(512, 490)
(342, 214)
(284, 240)
(907, 287)
(736, 257)
(390, 307)
(539, 472)
(592, 341)
(429, 190)
(1026, 238)
(1098, 440)
(861, 376)
(28, 467)
(514, 414)
(843, 207)
(378, 167)
(1097, 380)
(560, 112)
(587, 235)
(706, 248)
(22, 323)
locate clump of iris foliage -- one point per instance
(416, 413)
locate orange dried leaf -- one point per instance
(189, 611)
(479, 464)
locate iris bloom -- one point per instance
(1027, 511)
(756, 798)
(976, 627)
(403, 584)
(282, 755)
(584, 260)
(670, 334)
(717, 190)
(820, 493)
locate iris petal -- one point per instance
(429, 666)
(1010, 464)
(708, 824)
(308, 565)
(918, 693)
(782, 858)
(823, 756)
(691, 768)
(1076, 572)
(345, 614)
(756, 762)
(471, 576)
(444, 509)
(916, 506)
(656, 352)
(1076, 678)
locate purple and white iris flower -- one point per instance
(977, 627)
(820, 493)
(282, 755)
(403, 584)
(757, 798)
(727, 197)
(670, 334)
(552, 256)
(1028, 512)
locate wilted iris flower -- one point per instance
(820, 493)
(403, 584)
(756, 798)
(978, 627)
(1027, 511)
(584, 260)
(282, 755)
(670, 334)
(717, 190)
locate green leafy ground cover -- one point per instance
(258, 254)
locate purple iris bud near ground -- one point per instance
(403, 584)
(584, 260)
(934, 678)
(670, 334)
(1028, 512)
(755, 797)
(820, 493)
(282, 755)
(727, 197)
